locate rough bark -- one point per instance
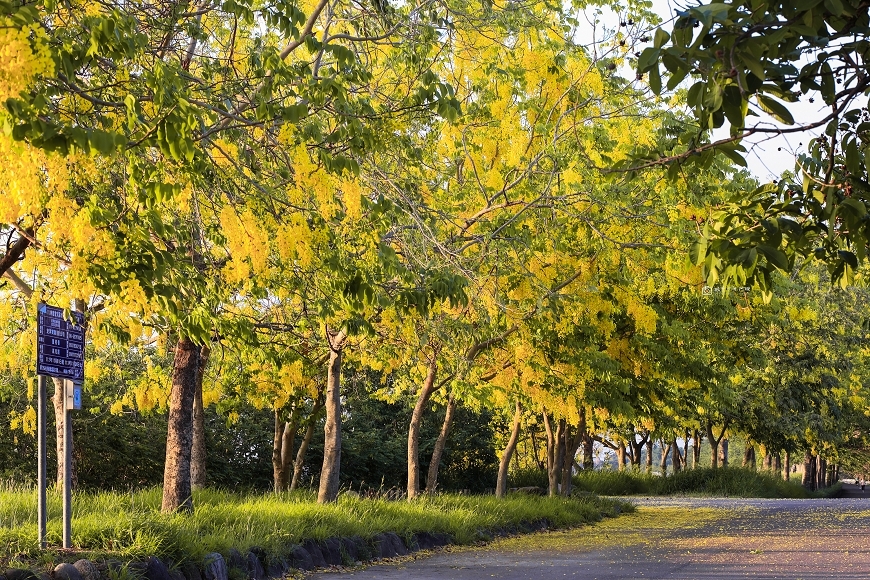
(786, 467)
(414, 428)
(328, 491)
(177, 487)
(306, 441)
(198, 453)
(501, 482)
(440, 444)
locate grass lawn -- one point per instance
(128, 526)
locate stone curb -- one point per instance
(256, 564)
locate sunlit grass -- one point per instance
(130, 525)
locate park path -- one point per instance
(669, 539)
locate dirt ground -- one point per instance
(669, 538)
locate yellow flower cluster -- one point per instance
(24, 55)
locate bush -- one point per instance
(722, 482)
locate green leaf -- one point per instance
(775, 257)
(660, 38)
(698, 251)
(775, 109)
(655, 80)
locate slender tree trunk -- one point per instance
(177, 489)
(723, 452)
(649, 455)
(821, 472)
(328, 491)
(440, 444)
(749, 456)
(663, 460)
(696, 448)
(303, 447)
(588, 448)
(809, 479)
(288, 444)
(620, 455)
(786, 471)
(198, 452)
(414, 428)
(554, 460)
(501, 483)
(676, 457)
(278, 481)
(536, 448)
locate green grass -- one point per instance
(723, 482)
(130, 525)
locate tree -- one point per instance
(746, 57)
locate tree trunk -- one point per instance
(620, 456)
(809, 480)
(572, 444)
(676, 457)
(283, 442)
(278, 481)
(554, 459)
(714, 444)
(821, 472)
(663, 460)
(440, 444)
(786, 471)
(501, 483)
(197, 452)
(649, 455)
(177, 488)
(749, 456)
(723, 452)
(588, 448)
(328, 491)
(535, 446)
(696, 448)
(303, 447)
(59, 413)
(414, 428)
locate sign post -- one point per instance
(60, 354)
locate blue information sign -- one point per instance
(60, 344)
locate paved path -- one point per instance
(669, 538)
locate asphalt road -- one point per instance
(669, 538)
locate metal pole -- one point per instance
(67, 469)
(40, 468)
